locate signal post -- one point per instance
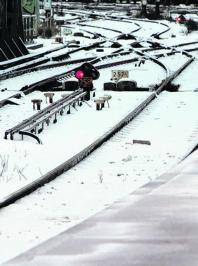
(85, 74)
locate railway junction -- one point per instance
(98, 144)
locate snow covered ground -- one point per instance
(173, 62)
(188, 81)
(119, 167)
(60, 141)
(116, 169)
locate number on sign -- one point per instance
(118, 74)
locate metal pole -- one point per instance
(157, 9)
(144, 3)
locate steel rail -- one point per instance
(61, 57)
(155, 35)
(54, 173)
(55, 79)
(48, 112)
(18, 72)
(28, 58)
(26, 63)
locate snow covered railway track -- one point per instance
(81, 60)
(104, 28)
(185, 44)
(86, 48)
(113, 59)
(102, 62)
(117, 33)
(54, 173)
(54, 81)
(188, 80)
(165, 28)
(181, 45)
(28, 59)
(30, 62)
(32, 68)
(36, 122)
(138, 28)
(35, 65)
(23, 71)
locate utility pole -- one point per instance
(157, 8)
(144, 3)
(37, 23)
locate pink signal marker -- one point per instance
(79, 74)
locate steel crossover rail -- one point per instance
(47, 112)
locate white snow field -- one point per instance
(119, 167)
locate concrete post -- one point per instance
(36, 104)
(49, 96)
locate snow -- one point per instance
(11, 114)
(48, 44)
(188, 16)
(17, 83)
(65, 17)
(174, 61)
(188, 80)
(76, 134)
(145, 75)
(121, 26)
(106, 176)
(119, 167)
(107, 33)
